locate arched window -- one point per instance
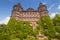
(17, 9)
(41, 9)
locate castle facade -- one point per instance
(30, 14)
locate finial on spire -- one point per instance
(41, 4)
(18, 3)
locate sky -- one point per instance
(6, 7)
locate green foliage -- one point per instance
(21, 30)
(3, 33)
(48, 26)
(56, 21)
(40, 27)
(31, 37)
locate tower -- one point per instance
(30, 14)
(16, 11)
(17, 7)
(42, 10)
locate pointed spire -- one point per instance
(17, 5)
(41, 5)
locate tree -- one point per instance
(48, 26)
(40, 27)
(56, 22)
(3, 33)
(19, 29)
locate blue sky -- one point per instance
(6, 6)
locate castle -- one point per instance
(30, 14)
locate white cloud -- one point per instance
(58, 6)
(53, 14)
(51, 7)
(5, 21)
(44, 3)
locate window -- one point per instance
(43, 13)
(36, 14)
(32, 15)
(17, 9)
(24, 15)
(17, 15)
(29, 13)
(41, 9)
